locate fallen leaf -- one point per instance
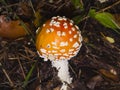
(110, 40)
(117, 18)
(109, 75)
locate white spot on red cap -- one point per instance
(51, 29)
(63, 43)
(66, 54)
(44, 25)
(55, 47)
(60, 18)
(54, 43)
(75, 36)
(62, 58)
(57, 24)
(62, 50)
(77, 27)
(70, 56)
(80, 38)
(63, 33)
(71, 24)
(51, 22)
(65, 25)
(70, 32)
(70, 53)
(76, 44)
(47, 31)
(57, 54)
(73, 29)
(75, 52)
(71, 39)
(64, 18)
(54, 23)
(54, 51)
(71, 21)
(59, 33)
(54, 17)
(49, 51)
(71, 50)
(43, 50)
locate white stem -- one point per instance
(63, 72)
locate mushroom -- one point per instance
(11, 28)
(59, 40)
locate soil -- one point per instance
(96, 66)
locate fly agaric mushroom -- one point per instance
(59, 40)
(11, 28)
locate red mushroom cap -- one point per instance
(58, 39)
(11, 29)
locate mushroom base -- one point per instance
(63, 72)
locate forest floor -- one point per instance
(96, 66)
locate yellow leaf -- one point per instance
(111, 40)
(37, 19)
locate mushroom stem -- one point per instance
(63, 72)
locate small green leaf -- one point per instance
(92, 13)
(107, 20)
(77, 19)
(29, 75)
(77, 4)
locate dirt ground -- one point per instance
(96, 66)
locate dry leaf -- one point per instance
(109, 75)
(110, 40)
(117, 18)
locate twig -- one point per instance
(8, 6)
(21, 67)
(7, 76)
(25, 57)
(73, 70)
(29, 51)
(104, 9)
(29, 74)
(32, 6)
